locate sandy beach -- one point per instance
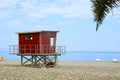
(66, 70)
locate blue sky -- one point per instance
(73, 18)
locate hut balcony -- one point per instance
(36, 50)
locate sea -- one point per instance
(74, 56)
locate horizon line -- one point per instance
(96, 51)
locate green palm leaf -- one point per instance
(101, 8)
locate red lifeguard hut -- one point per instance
(37, 47)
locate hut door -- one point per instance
(52, 45)
(51, 41)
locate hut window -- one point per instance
(29, 37)
(51, 41)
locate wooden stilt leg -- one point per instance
(35, 60)
(32, 62)
(44, 61)
(22, 60)
(55, 60)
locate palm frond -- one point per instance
(101, 8)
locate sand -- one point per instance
(66, 70)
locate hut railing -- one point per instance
(36, 49)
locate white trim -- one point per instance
(35, 31)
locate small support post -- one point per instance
(22, 60)
(35, 60)
(44, 62)
(32, 62)
(55, 63)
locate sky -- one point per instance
(73, 18)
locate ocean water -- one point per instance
(90, 56)
(74, 56)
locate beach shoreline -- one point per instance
(66, 70)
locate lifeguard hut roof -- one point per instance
(36, 31)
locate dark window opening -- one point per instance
(29, 37)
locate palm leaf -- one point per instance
(101, 8)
